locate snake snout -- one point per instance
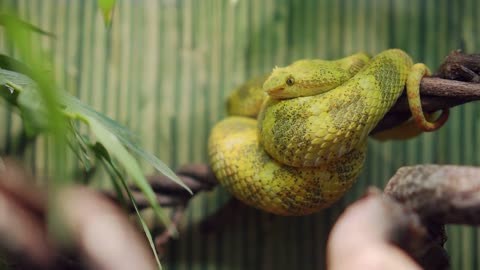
(275, 91)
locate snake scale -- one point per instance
(308, 143)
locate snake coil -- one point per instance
(308, 144)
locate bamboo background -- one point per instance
(165, 67)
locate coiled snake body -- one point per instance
(308, 144)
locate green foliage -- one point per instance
(45, 98)
(9, 19)
(102, 153)
(44, 109)
(112, 138)
(106, 6)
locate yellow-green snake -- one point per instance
(308, 144)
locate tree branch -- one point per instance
(456, 82)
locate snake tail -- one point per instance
(417, 72)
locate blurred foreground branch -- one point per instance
(426, 197)
(87, 230)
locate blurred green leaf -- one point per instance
(49, 118)
(9, 63)
(108, 145)
(120, 153)
(43, 108)
(107, 6)
(125, 136)
(103, 155)
(19, 33)
(33, 112)
(111, 135)
(115, 174)
(80, 146)
(6, 19)
(32, 107)
(75, 109)
(146, 230)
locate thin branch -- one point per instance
(198, 177)
(456, 82)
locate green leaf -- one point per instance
(6, 18)
(75, 109)
(144, 226)
(9, 94)
(113, 141)
(120, 153)
(106, 6)
(33, 111)
(115, 174)
(43, 108)
(16, 81)
(9, 63)
(146, 231)
(125, 136)
(31, 104)
(80, 146)
(20, 34)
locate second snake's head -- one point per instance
(311, 77)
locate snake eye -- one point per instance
(290, 81)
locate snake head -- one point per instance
(311, 77)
